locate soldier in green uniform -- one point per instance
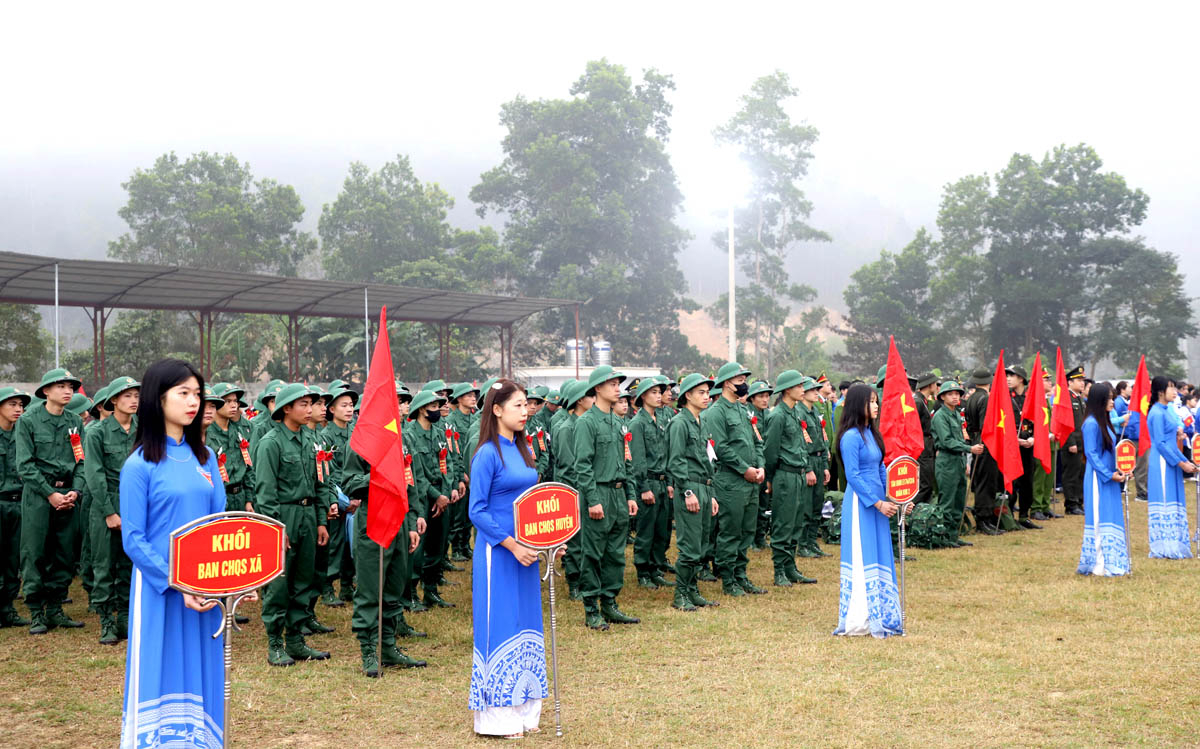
(576, 402)
(739, 472)
(812, 493)
(561, 413)
(1043, 480)
(288, 489)
(786, 463)
(12, 405)
(985, 474)
(759, 402)
(649, 450)
(1018, 384)
(51, 471)
(435, 490)
(690, 459)
(336, 435)
(605, 489)
(232, 450)
(317, 419)
(1072, 464)
(463, 401)
(535, 404)
(827, 401)
(105, 449)
(951, 441)
(264, 422)
(87, 574)
(923, 388)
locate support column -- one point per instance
(293, 327)
(577, 355)
(103, 352)
(443, 350)
(509, 358)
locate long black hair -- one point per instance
(1097, 408)
(855, 415)
(501, 392)
(151, 433)
(1158, 386)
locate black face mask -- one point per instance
(433, 416)
(741, 390)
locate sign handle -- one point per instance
(228, 626)
(549, 575)
(903, 601)
(1125, 510)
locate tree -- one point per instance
(892, 296)
(135, 340)
(209, 212)
(777, 152)
(590, 200)
(24, 344)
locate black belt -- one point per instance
(696, 479)
(233, 490)
(611, 484)
(306, 502)
(11, 496)
(658, 477)
(796, 471)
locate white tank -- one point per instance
(601, 353)
(575, 351)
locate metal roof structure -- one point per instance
(101, 286)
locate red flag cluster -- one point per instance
(899, 423)
(1000, 427)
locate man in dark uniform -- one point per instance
(1018, 383)
(985, 474)
(923, 388)
(1072, 455)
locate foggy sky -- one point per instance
(906, 100)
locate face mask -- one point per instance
(741, 390)
(433, 416)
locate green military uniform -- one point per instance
(602, 480)
(263, 423)
(83, 507)
(460, 423)
(812, 498)
(316, 431)
(105, 449)
(759, 420)
(649, 474)
(564, 471)
(737, 450)
(228, 444)
(287, 489)
(46, 464)
(689, 467)
(428, 448)
(1043, 480)
(535, 430)
(341, 562)
(786, 462)
(83, 407)
(951, 441)
(926, 460)
(10, 518)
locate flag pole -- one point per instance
(379, 633)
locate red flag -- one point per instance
(1139, 402)
(1038, 412)
(898, 420)
(1062, 418)
(1000, 428)
(378, 440)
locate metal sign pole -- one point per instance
(903, 600)
(550, 573)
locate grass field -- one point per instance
(1007, 646)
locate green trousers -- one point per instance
(48, 541)
(1043, 485)
(573, 560)
(396, 574)
(653, 532)
(434, 548)
(951, 473)
(602, 562)
(787, 488)
(737, 517)
(286, 599)
(111, 568)
(83, 539)
(765, 509)
(341, 563)
(692, 529)
(460, 527)
(812, 499)
(10, 552)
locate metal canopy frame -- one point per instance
(99, 286)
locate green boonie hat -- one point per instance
(79, 404)
(572, 392)
(760, 386)
(226, 388)
(538, 392)
(1019, 371)
(436, 386)
(402, 391)
(288, 395)
(270, 391)
(809, 383)
(55, 376)
(729, 370)
(881, 376)
(693, 380)
(554, 397)
(788, 379)
(624, 393)
(343, 391)
(115, 388)
(646, 385)
(950, 386)
(603, 374)
(462, 389)
(210, 396)
(319, 392)
(980, 376)
(100, 400)
(338, 385)
(10, 393)
(422, 399)
(926, 380)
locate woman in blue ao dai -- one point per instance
(1104, 551)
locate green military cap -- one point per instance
(760, 386)
(319, 392)
(554, 397)
(538, 393)
(728, 371)
(487, 385)
(436, 386)
(1075, 374)
(950, 386)
(462, 389)
(115, 388)
(56, 376)
(881, 376)
(646, 384)
(926, 380)
(603, 374)
(339, 392)
(695, 379)
(288, 395)
(1019, 371)
(402, 392)
(422, 399)
(624, 393)
(10, 392)
(79, 404)
(809, 383)
(210, 395)
(573, 392)
(101, 401)
(788, 379)
(225, 388)
(338, 384)
(980, 376)
(272, 390)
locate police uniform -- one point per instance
(1072, 462)
(985, 474)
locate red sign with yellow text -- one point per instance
(226, 554)
(1126, 456)
(546, 515)
(903, 479)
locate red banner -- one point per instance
(1126, 456)
(226, 554)
(546, 515)
(903, 479)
